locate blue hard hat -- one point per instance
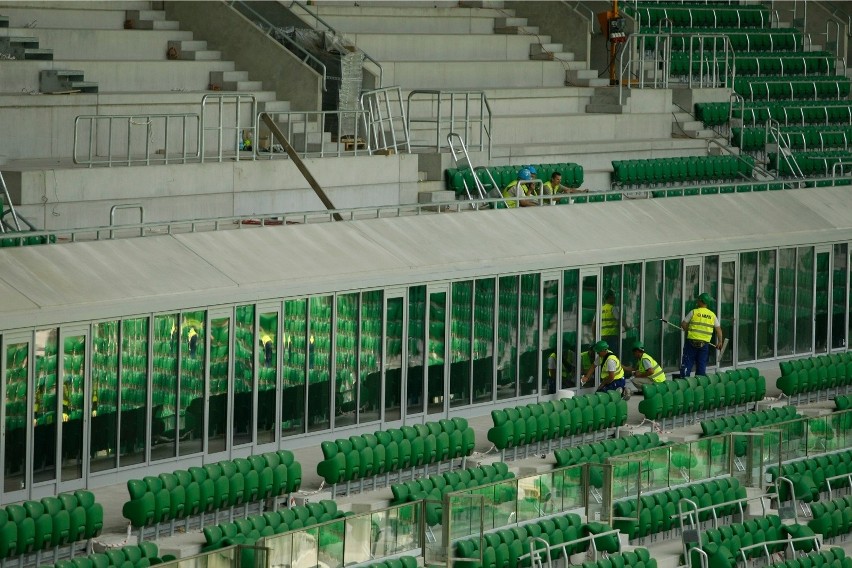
(532, 170)
(524, 175)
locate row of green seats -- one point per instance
(249, 529)
(52, 522)
(499, 547)
(433, 488)
(682, 14)
(636, 558)
(787, 87)
(809, 476)
(22, 240)
(400, 562)
(741, 39)
(843, 402)
(720, 189)
(816, 163)
(797, 137)
(600, 452)
(658, 512)
(723, 545)
(828, 557)
(697, 394)
(683, 169)
(785, 112)
(815, 374)
(787, 64)
(360, 457)
(131, 556)
(747, 421)
(211, 488)
(572, 175)
(832, 518)
(552, 420)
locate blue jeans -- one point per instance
(694, 356)
(619, 384)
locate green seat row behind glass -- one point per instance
(820, 376)
(809, 476)
(832, 518)
(131, 556)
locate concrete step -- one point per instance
(553, 128)
(242, 86)
(414, 23)
(585, 78)
(102, 15)
(153, 25)
(153, 15)
(444, 47)
(24, 48)
(4, 21)
(65, 80)
(128, 45)
(274, 106)
(550, 52)
(476, 75)
(204, 55)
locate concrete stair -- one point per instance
(585, 78)
(65, 81)
(126, 45)
(191, 50)
(233, 81)
(149, 20)
(24, 47)
(684, 124)
(515, 26)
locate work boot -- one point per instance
(625, 393)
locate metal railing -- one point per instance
(306, 131)
(268, 27)
(228, 129)
(136, 139)
(467, 113)
(320, 22)
(387, 123)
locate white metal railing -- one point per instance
(466, 113)
(135, 139)
(387, 123)
(222, 118)
(307, 133)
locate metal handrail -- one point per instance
(353, 143)
(547, 548)
(383, 119)
(115, 208)
(437, 97)
(291, 45)
(119, 124)
(586, 13)
(767, 543)
(328, 26)
(220, 128)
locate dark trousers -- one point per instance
(696, 356)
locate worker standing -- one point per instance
(699, 325)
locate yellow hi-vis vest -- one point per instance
(619, 370)
(609, 325)
(647, 362)
(507, 193)
(701, 325)
(192, 333)
(265, 338)
(585, 362)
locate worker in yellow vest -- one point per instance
(612, 373)
(699, 325)
(517, 190)
(267, 344)
(647, 371)
(555, 187)
(192, 337)
(611, 322)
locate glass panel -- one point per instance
(654, 310)
(74, 405)
(217, 404)
(393, 360)
(295, 344)
(483, 340)
(164, 390)
(838, 297)
(631, 300)
(346, 369)
(673, 312)
(786, 301)
(134, 390)
(725, 304)
(711, 276)
(460, 348)
(437, 335)
(589, 303)
(416, 351)
(243, 405)
(550, 338)
(191, 383)
(267, 376)
(766, 304)
(821, 303)
(746, 310)
(45, 406)
(507, 338)
(610, 312)
(570, 322)
(15, 468)
(804, 299)
(319, 362)
(528, 372)
(103, 432)
(370, 396)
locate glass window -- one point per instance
(243, 409)
(319, 362)
(461, 334)
(295, 344)
(346, 368)
(528, 337)
(134, 390)
(191, 398)
(416, 351)
(746, 328)
(838, 297)
(673, 312)
(267, 376)
(45, 405)
(631, 306)
(786, 328)
(570, 311)
(104, 429)
(483, 340)
(766, 304)
(653, 287)
(725, 304)
(370, 396)
(589, 309)
(437, 350)
(217, 404)
(804, 300)
(507, 338)
(73, 406)
(550, 362)
(15, 469)
(611, 325)
(823, 283)
(164, 390)
(393, 361)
